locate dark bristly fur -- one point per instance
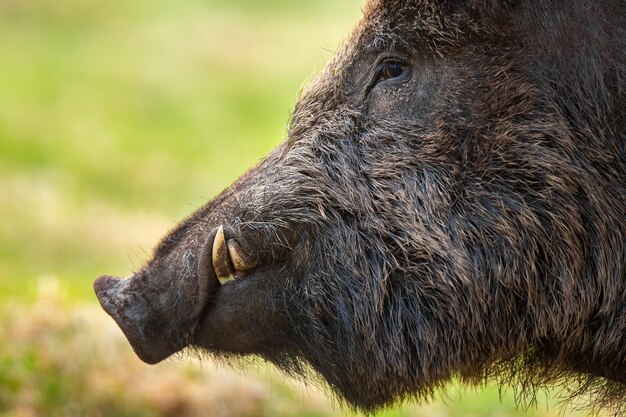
(466, 219)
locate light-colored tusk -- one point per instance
(221, 262)
(240, 258)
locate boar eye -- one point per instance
(390, 69)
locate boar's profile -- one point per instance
(450, 202)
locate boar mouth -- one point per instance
(159, 316)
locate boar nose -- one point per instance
(107, 289)
(104, 285)
(135, 316)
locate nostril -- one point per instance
(104, 284)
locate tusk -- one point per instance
(240, 258)
(221, 262)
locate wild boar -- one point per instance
(450, 201)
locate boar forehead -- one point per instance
(414, 25)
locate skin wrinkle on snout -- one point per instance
(462, 216)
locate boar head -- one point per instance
(449, 202)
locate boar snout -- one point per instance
(135, 315)
(159, 308)
(144, 313)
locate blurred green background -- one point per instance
(117, 119)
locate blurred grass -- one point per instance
(116, 120)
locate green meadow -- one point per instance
(117, 119)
